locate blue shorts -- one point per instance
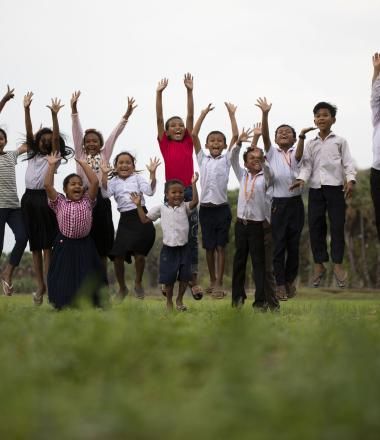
(215, 225)
(175, 264)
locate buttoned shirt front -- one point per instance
(214, 173)
(327, 162)
(174, 222)
(375, 106)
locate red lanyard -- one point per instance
(246, 195)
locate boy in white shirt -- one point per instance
(329, 168)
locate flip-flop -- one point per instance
(163, 291)
(318, 278)
(291, 290)
(209, 290)
(38, 298)
(196, 291)
(7, 289)
(281, 294)
(340, 282)
(218, 294)
(181, 307)
(139, 292)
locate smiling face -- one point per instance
(175, 194)
(175, 129)
(3, 140)
(215, 143)
(45, 143)
(124, 166)
(73, 188)
(323, 119)
(254, 160)
(92, 144)
(285, 136)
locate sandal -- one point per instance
(7, 288)
(209, 290)
(196, 291)
(139, 292)
(281, 294)
(181, 307)
(218, 294)
(318, 278)
(291, 290)
(163, 290)
(341, 282)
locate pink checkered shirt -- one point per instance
(74, 218)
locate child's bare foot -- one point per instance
(121, 294)
(180, 305)
(38, 296)
(218, 292)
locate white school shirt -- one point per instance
(214, 173)
(327, 162)
(285, 169)
(121, 190)
(174, 222)
(36, 171)
(375, 106)
(253, 203)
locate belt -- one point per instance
(248, 222)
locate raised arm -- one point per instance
(188, 81)
(28, 121)
(231, 108)
(152, 168)
(136, 199)
(55, 107)
(195, 199)
(301, 142)
(197, 127)
(76, 127)
(376, 66)
(265, 107)
(52, 159)
(375, 95)
(106, 169)
(256, 134)
(159, 112)
(93, 182)
(8, 96)
(245, 136)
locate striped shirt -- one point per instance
(74, 217)
(8, 189)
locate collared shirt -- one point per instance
(74, 217)
(327, 162)
(214, 173)
(253, 202)
(285, 168)
(375, 106)
(121, 190)
(36, 171)
(8, 189)
(174, 222)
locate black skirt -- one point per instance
(133, 236)
(40, 220)
(75, 272)
(102, 230)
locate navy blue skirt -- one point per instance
(76, 272)
(102, 230)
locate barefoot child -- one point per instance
(214, 212)
(175, 258)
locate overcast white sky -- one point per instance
(294, 52)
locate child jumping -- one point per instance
(329, 168)
(375, 170)
(214, 212)
(176, 147)
(10, 212)
(175, 258)
(132, 238)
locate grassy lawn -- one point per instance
(311, 371)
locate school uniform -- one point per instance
(40, 221)
(214, 212)
(175, 256)
(75, 269)
(287, 214)
(132, 236)
(375, 169)
(326, 165)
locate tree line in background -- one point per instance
(362, 255)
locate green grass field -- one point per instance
(311, 371)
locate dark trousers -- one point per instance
(287, 219)
(193, 231)
(270, 282)
(13, 217)
(249, 239)
(375, 193)
(331, 199)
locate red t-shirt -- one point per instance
(178, 158)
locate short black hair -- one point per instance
(125, 153)
(285, 125)
(172, 182)
(170, 119)
(217, 132)
(251, 150)
(4, 134)
(96, 132)
(66, 180)
(326, 105)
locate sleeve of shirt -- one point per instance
(238, 170)
(268, 174)
(154, 213)
(90, 203)
(347, 162)
(77, 132)
(188, 210)
(306, 165)
(109, 192)
(163, 143)
(200, 157)
(54, 204)
(375, 101)
(112, 138)
(269, 153)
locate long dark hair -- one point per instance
(65, 151)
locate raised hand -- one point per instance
(230, 107)
(9, 94)
(245, 135)
(131, 107)
(208, 109)
(162, 84)
(195, 178)
(153, 165)
(55, 106)
(376, 62)
(105, 167)
(257, 129)
(74, 99)
(53, 158)
(136, 198)
(188, 81)
(306, 130)
(263, 105)
(28, 98)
